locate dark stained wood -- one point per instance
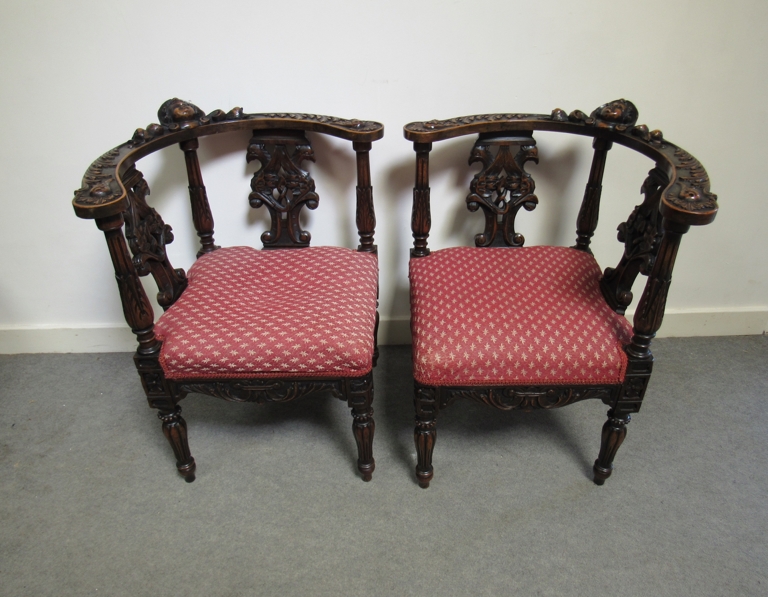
(687, 199)
(198, 197)
(586, 224)
(102, 193)
(147, 234)
(421, 219)
(365, 214)
(676, 196)
(502, 186)
(641, 235)
(136, 306)
(175, 431)
(114, 193)
(282, 185)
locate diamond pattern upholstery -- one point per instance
(286, 313)
(526, 316)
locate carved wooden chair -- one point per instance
(246, 325)
(541, 327)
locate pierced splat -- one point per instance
(147, 234)
(641, 235)
(282, 185)
(502, 187)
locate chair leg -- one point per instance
(614, 432)
(360, 398)
(425, 433)
(175, 431)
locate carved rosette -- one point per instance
(502, 187)
(263, 390)
(529, 398)
(282, 186)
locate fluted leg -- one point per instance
(363, 427)
(175, 431)
(359, 398)
(425, 433)
(614, 432)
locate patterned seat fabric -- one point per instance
(251, 313)
(528, 316)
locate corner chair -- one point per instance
(519, 327)
(246, 325)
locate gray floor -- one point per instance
(90, 502)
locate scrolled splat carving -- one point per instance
(502, 187)
(529, 398)
(147, 234)
(282, 185)
(641, 235)
(263, 390)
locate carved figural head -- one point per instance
(176, 114)
(619, 114)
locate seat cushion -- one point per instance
(517, 317)
(251, 313)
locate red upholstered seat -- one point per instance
(527, 316)
(251, 313)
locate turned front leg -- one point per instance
(425, 433)
(614, 432)
(175, 431)
(360, 397)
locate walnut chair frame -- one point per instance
(113, 193)
(676, 196)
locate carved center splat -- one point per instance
(502, 187)
(282, 185)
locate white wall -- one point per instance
(78, 77)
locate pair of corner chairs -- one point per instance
(510, 326)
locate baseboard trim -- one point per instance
(677, 323)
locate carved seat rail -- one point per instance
(676, 196)
(114, 193)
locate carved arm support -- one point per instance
(590, 206)
(365, 215)
(421, 219)
(136, 306)
(198, 197)
(650, 309)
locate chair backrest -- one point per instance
(114, 193)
